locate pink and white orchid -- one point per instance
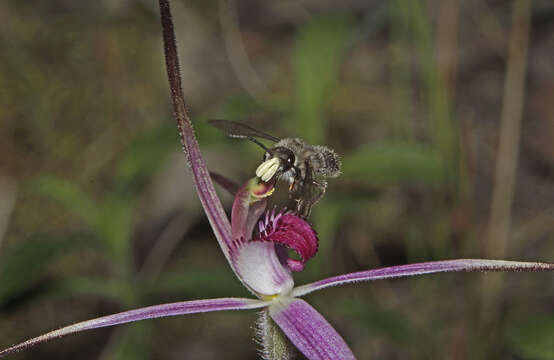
(257, 253)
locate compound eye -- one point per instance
(290, 159)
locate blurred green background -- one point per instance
(441, 110)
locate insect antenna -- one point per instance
(255, 141)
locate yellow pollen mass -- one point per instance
(267, 169)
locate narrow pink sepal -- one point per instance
(227, 184)
(309, 331)
(421, 269)
(202, 181)
(151, 312)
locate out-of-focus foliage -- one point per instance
(408, 93)
(531, 335)
(384, 164)
(24, 266)
(319, 49)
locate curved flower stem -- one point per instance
(275, 344)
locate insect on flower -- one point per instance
(292, 160)
(260, 260)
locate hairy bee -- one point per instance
(303, 166)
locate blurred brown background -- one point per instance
(442, 112)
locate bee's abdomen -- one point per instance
(325, 161)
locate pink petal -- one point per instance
(421, 269)
(308, 330)
(151, 312)
(247, 209)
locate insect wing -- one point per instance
(240, 130)
(306, 192)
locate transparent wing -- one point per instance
(306, 192)
(239, 130)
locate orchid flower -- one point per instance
(257, 252)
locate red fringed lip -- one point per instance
(291, 231)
